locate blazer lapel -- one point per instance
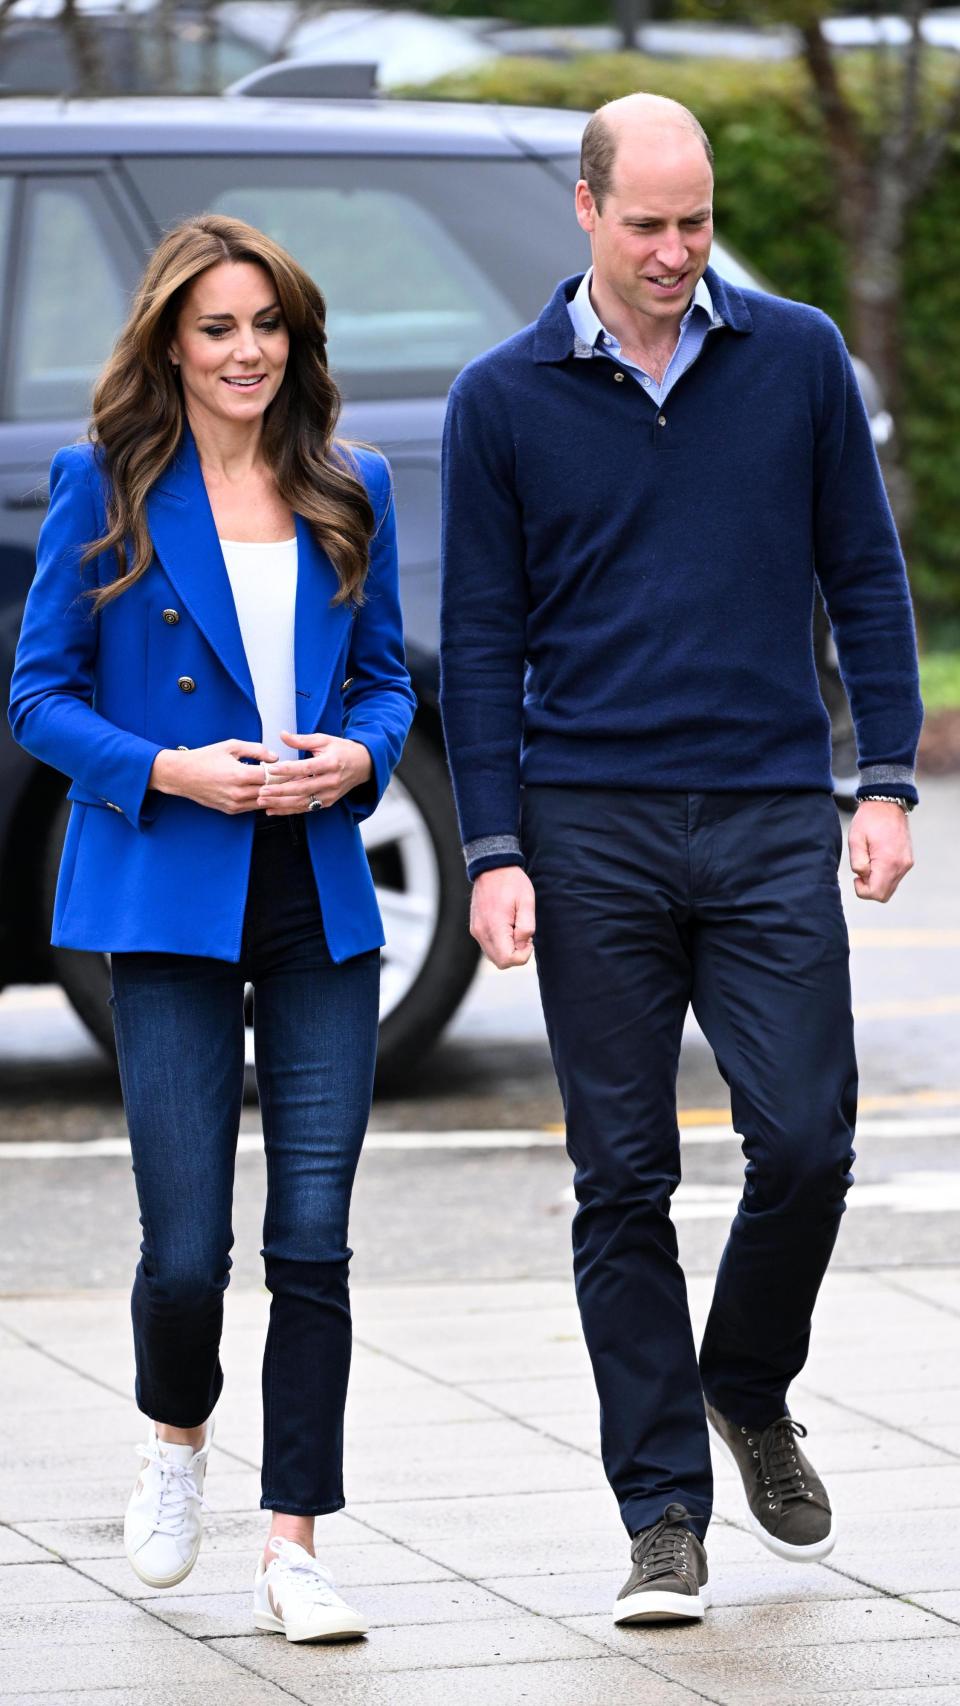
(321, 627)
(185, 539)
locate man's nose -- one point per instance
(672, 252)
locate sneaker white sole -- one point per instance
(163, 1581)
(336, 1626)
(780, 1548)
(660, 1607)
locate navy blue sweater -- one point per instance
(628, 590)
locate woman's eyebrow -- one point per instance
(227, 316)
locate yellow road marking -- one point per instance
(867, 1104)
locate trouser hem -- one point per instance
(282, 1507)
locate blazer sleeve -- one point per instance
(52, 695)
(379, 702)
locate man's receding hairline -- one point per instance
(605, 127)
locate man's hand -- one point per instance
(334, 767)
(503, 915)
(880, 849)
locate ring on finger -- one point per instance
(315, 804)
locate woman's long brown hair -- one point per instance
(138, 411)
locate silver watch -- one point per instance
(889, 800)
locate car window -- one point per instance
(424, 263)
(63, 334)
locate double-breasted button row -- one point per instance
(187, 684)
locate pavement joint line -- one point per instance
(879, 1422)
(918, 1296)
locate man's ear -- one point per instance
(586, 207)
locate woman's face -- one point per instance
(231, 342)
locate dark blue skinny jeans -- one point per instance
(646, 904)
(179, 1023)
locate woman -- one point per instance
(212, 650)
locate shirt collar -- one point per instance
(588, 327)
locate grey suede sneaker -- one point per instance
(787, 1504)
(668, 1582)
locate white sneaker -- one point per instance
(163, 1527)
(295, 1596)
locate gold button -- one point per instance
(171, 616)
(661, 420)
(618, 376)
(186, 684)
(345, 684)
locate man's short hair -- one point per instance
(598, 151)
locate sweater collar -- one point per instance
(555, 339)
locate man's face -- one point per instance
(651, 242)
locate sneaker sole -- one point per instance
(163, 1581)
(780, 1548)
(659, 1607)
(343, 1629)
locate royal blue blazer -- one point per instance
(99, 695)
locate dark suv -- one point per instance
(434, 232)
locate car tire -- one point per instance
(414, 850)
(432, 877)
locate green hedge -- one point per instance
(774, 203)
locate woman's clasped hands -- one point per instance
(244, 776)
(332, 767)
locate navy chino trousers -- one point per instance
(648, 903)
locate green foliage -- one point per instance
(775, 206)
(940, 681)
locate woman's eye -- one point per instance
(215, 331)
(269, 326)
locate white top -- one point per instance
(264, 583)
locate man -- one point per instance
(639, 492)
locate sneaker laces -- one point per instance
(177, 1489)
(779, 1464)
(293, 1563)
(663, 1550)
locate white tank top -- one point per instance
(264, 583)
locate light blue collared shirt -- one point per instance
(701, 317)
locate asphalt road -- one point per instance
(465, 1176)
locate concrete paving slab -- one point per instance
(15, 1549)
(737, 1629)
(232, 1572)
(25, 1499)
(600, 1681)
(944, 1604)
(903, 1572)
(767, 1582)
(463, 1460)
(216, 1616)
(114, 1664)
(515, 1640)
(226, 1531)
(108, 1620)
(905, 1408)
(253, 1691)
(733, 1677)
(45, 1584)
(546, 1396)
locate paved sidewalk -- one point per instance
(481, 1539)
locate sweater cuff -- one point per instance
(488, 852)
(894, 780)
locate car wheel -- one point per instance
(413, 846)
